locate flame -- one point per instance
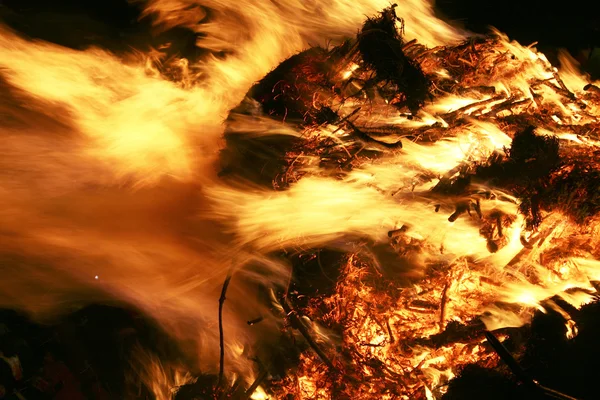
(108, 190)
(162, 380)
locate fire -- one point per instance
(162, 380)
(109, 190)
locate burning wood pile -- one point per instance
(438, 206)
(486, 142)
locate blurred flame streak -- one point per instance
(162, 380)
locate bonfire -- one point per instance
(486, 139)
(430, 199)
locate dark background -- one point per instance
(111, 24)
(116, 24)
(570, 24)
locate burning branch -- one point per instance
(514, 366)
(222, 299)
(443, 306)
(257, 382)
(297, 324)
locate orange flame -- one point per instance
(108, 189)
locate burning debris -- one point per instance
(402, 335)
(424, 196)
(381, 49)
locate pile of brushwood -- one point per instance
(365, 86)
(97, 335)
(379, 74)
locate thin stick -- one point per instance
(559, 90)
(365, 138)
(476, 104)
(508, 358)
(507, 105)
(351, 158)
(259, 379)
(535, 97)
(516, 369)
(297, 323)
(443, 305)
(221, 332)
(346, 118)
(389, 328)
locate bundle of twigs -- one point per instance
(356, 93)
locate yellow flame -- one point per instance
(108, 188)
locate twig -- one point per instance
(443, 305)
(429, 51)
(255, 320)
(346, 118)
(559, 90)
(352, 157)
(564, 87)
(507, 105)
(389, 328)
(259, 379)
(466, 61)
(410, 44)
(297, 323)
(516, 369)
(221, 332)
(508, 359)
(365, 138)
(476, 104)
(535, 97)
